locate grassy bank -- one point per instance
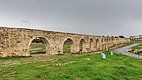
(134, 41)
(72, 67)
(137, 47)
(38, 48)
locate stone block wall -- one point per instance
(16, 41)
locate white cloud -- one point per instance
(103, 17)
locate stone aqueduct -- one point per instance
(16, 41)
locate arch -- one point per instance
(82, 46)
(67, 45)
(45, 42)
(102, 40)
(97, 43)
(105, 40)
(104, 43)
(91, 44)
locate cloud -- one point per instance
(101, 17)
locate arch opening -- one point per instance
(82, 46)
(102, 40)
(91, 45)
(97, 43)
(39, 45)
(67, 46)
(102, 44)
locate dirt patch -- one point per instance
(35, 49)
(87, 59)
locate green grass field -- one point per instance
(66, 48)
(137, 47)
(71, 67)
(40, 49)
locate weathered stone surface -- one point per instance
(135, 51)
(16, 41)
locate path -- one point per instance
(124, 50)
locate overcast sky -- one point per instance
(98, 17)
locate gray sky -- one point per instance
(99, 17)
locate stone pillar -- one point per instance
(75, 48)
